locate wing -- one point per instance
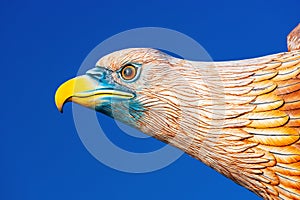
(264, 96)
(293, 39)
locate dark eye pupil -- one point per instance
(128, 72)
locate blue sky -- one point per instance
(43, 43)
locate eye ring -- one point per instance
(129, 72)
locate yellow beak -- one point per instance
(87, 92)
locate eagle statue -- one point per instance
(241, 118)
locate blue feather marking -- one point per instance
(127, 111)
(136, 109)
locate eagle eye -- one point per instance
(129, 72)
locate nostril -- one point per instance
(96, 73)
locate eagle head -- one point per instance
(144, 88)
